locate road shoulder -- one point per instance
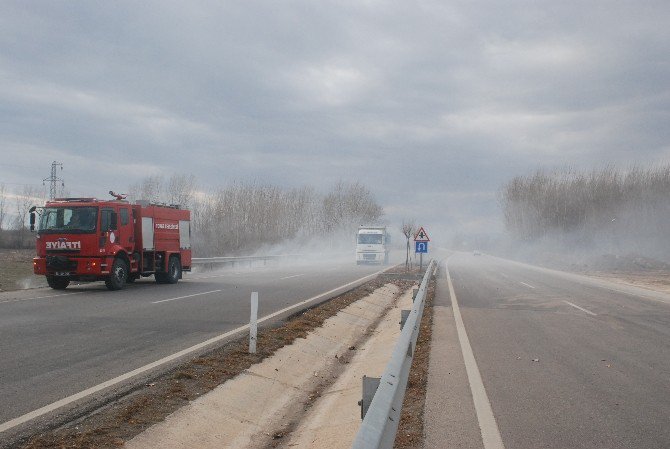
(450, 418)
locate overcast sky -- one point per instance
(432, 105)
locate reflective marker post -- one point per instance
(253, 325)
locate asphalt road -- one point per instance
(566, 362)
(54, 344)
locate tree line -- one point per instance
(624, 209)
(244, 217)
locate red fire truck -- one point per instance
(86, 239)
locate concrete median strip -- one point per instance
(334, 419)
(293, 389)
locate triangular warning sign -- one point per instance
(421, 236)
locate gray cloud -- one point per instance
(431, 104)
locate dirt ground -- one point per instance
(119, 421)
(656, 280)
(631, 269)
(16, 270)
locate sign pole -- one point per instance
(420, 262)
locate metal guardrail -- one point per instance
(235, 259)
(380, 424)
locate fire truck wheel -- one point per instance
(58, 283)
(174, 270)
(119, 275)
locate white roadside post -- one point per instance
(253, 325)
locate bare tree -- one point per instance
(408, 228)
(180, 190)
(3, 212)
(150, 189)
(350, 205)
(29, 196)
(3, 201)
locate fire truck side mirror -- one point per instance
(113, 225)
(32, 218)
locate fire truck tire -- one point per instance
(119, 275)
(174, 270)
(57, 283)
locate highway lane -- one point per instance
(55, 344)
(566, 362)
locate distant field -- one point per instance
(16, 270)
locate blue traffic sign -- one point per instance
(421, 247)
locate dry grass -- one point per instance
(16, 270)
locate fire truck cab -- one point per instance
(86, 239)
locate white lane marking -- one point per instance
(527, 285)
(580, 308)
(123, 377)
(41, 297)
(206, 277)
(184, 297)
(289, 277)
(487, 422)
(624, 289)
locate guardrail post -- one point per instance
(253, 324)
(370, 385)
(403, 317)
(414, 292)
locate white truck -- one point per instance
(372, 245)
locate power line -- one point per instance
(4, 164)
(20, 183)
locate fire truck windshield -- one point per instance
(370, 239)
(74, 220)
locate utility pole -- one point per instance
(53, 179)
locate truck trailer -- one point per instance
(372, 245)
(87, 239)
